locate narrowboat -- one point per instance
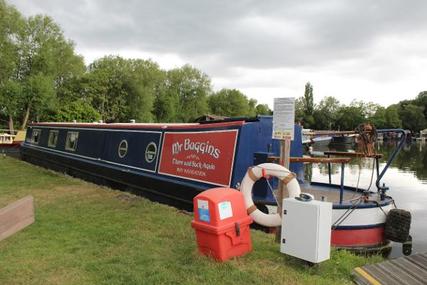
(172, 163)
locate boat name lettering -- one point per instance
(199, 147)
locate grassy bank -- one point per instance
(86, 234)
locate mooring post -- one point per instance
(285, 153)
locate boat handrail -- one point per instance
(328, 160)
(352, 154)
(391, 158)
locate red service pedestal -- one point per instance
(221, 223)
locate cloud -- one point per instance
(266, 48)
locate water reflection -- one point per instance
(406, 177)
(412, 158)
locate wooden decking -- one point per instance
(409, 270)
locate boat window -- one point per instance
(123, 148)
(71, 141)
(35, 138)
(53, 138)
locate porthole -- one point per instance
(123, 148)
(150, 152)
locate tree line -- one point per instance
(330, 114)
(43, 79)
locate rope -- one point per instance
(346, 214)
(272, 191)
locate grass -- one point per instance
(87, 234)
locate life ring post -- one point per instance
(285, 153)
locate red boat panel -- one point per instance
(358, 237)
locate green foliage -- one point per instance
(308, 99)
(182, 96)
(326, 114)
(299, 109)
(229, 103)
(189, 88)
(263, 109)
(421, 100)
(308, 106)
(123, 89)
(379, 118)
(11, 23)
(79, 110)
(392, 117)
(412, 116)
(349, 117)
(233, 103)
(37, 61)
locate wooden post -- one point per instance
(285, 154)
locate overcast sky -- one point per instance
(366, 50)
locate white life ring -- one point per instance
(267, 169)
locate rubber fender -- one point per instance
(397, 226)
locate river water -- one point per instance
(407, 179)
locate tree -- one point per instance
(11, 23)
(326, 114)
(10, 92)
(42, 62)
(263, 109)
(165, 104)
(229, 103)
(106, 88)
(421, 100)
(299, 109)
(392, 117)
(412, 117)
(379, 118)
(308, 106)
(189, 88)
(142, 84)
(38, 94)
(349, 117)
(78, 110)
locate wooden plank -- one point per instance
(16, 216)
(276, 159)
(351, 154)
(411, 270)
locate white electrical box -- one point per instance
(306, 229)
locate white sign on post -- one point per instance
(284, 118)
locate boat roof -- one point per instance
(172, 126)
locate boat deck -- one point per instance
(329, 195)
(410, 270)
(332, 194)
